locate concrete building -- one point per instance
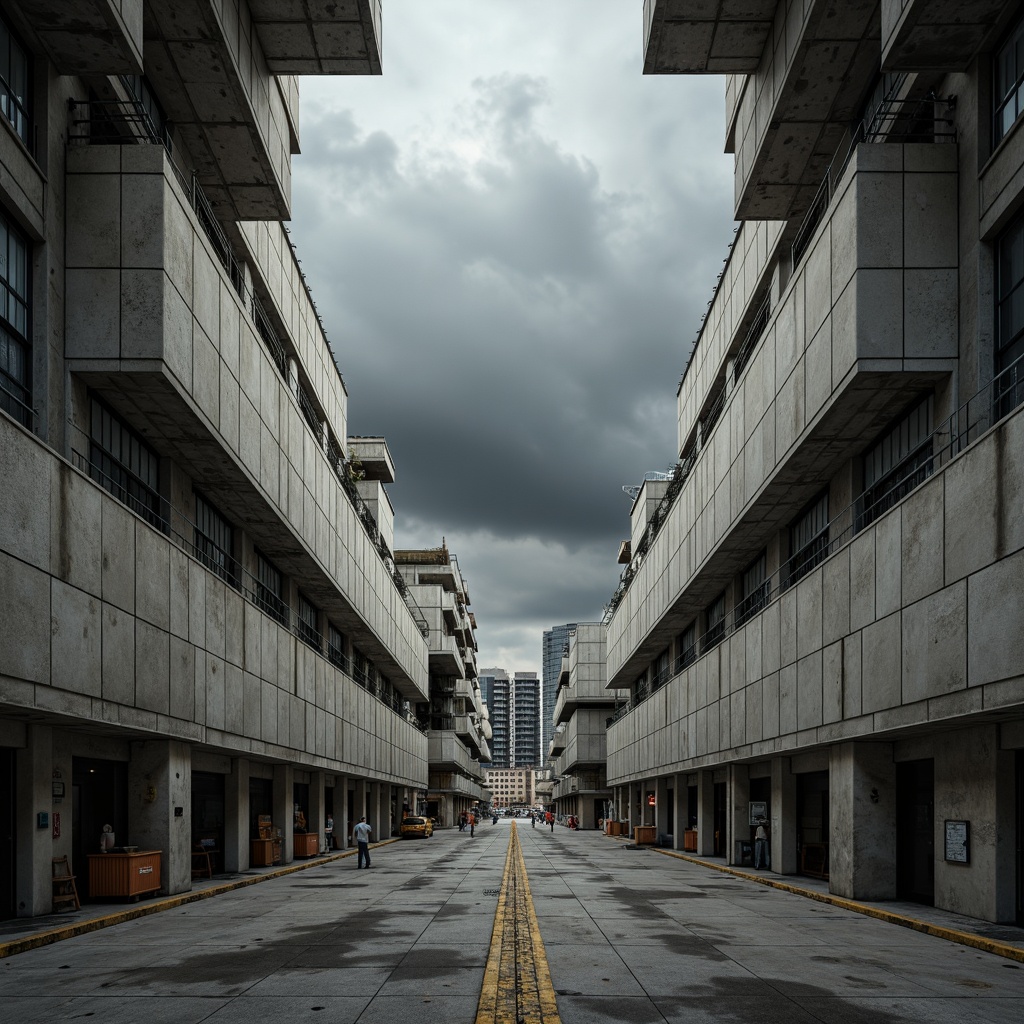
(454, 716)
(821, 619)
(512, 788)
(554, 644)
(584, 707)
(496, 693)
(525, 720)
(204, 638)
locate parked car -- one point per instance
(416, 827)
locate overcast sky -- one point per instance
(511, 237)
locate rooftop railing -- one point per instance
(994, 402)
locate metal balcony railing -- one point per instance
(972, 420)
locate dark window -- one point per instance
(1008, 87)
(897, 463)
(336, 649)
(753, 335)
(148, 107)
(715, 632)
(267, 594)
(756, 589)
(15, 72)
(686, 647)
(214, 541)
(1010, 318)
(808, 539)
(15, 351)
(662, 669)
(306, 623)
(123, 464)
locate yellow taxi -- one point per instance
(415, 827)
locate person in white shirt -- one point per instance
(761, 845)
(362, 833)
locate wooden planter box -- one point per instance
(265, 852)
(127, 875)
(690, 840)
(644, 835)
(306, 844)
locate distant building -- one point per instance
(526, 720)
(495, 689)
(554, 645)
(512, 787)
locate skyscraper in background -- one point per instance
(496, 693)
(554, 643)
(526, 720)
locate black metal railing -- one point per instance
(753, 335)
(928, 119)
(812, 218)
(15, 398)
(967, 424)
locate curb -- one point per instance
(15, 946)
(890, 917)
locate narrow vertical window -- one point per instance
(808, 539)
(214, 541)
(1010, 318)
(268, 589)
(15, 350)
(1008, 86)
(15, 72)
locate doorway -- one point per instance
(719, 817)
(1020, 837)
(208, 816)
(99, 797)
(915, 831)
(812, 823)
(8, 901)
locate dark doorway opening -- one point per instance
(261, 802)
(8, 839)
(691, 806)
(719, 818)
(1020, 837)
(915, 831)
(99, 796)
(670, 817)
(812, 823)
(208, 816)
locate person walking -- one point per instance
(761, 844)
(462, 822)
(551, 820)
(472, 824)
(362, 833)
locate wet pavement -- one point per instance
(629, 935)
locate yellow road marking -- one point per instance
(517, 982)
(889, 916)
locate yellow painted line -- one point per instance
(889, 916)
(95, 924)
(517, 985)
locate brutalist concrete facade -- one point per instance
(821, 616)
(203, 627)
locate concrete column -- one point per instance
(862, 821)
(284, 809)
(317, 808)
(341, 822)
(34, 773)
(373, 814)
(705, 813)
(237, 827)
(782, 838)
(661, 808)
(160, 807)
(679, 810)
(738, 819)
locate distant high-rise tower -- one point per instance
(496, 692)
(554, 643)
(526, 720)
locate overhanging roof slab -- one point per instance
(940, 35)
(705, 36)
(88, 37)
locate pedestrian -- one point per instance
(551, 820)
(362, 833)
(462, 822)
(533, 821)
(761, 844)
(472, 824)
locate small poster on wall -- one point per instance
(958, 834)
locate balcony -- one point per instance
(89, 37)
(445, 658)
(922, 36)
(867, 320)
(686, 36)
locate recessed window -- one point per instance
(268, 589)
(336, 649)
(715, 633)
(306, 623)
(756, 589)
(123, 464)
(808, 539)
(15, 72)
(15, 350)
(214, 541)
(1010, 317)
(686, 647)
(1008, 87)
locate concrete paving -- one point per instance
(630, 935)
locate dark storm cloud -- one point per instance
(513, 328)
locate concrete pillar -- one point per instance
(34, 772)
(862, 821)
(160, 808)
(284, 809)
(237, 827)
(661, 808)
(317, 808)
(679, 810)
(738, 817)
(705, 813)
(373, 814)
(782, 838)
(341, 822)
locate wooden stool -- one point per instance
(64, 890)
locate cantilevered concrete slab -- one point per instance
(937, 34)
(319, 37)
(712, 36)
(88, 37)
